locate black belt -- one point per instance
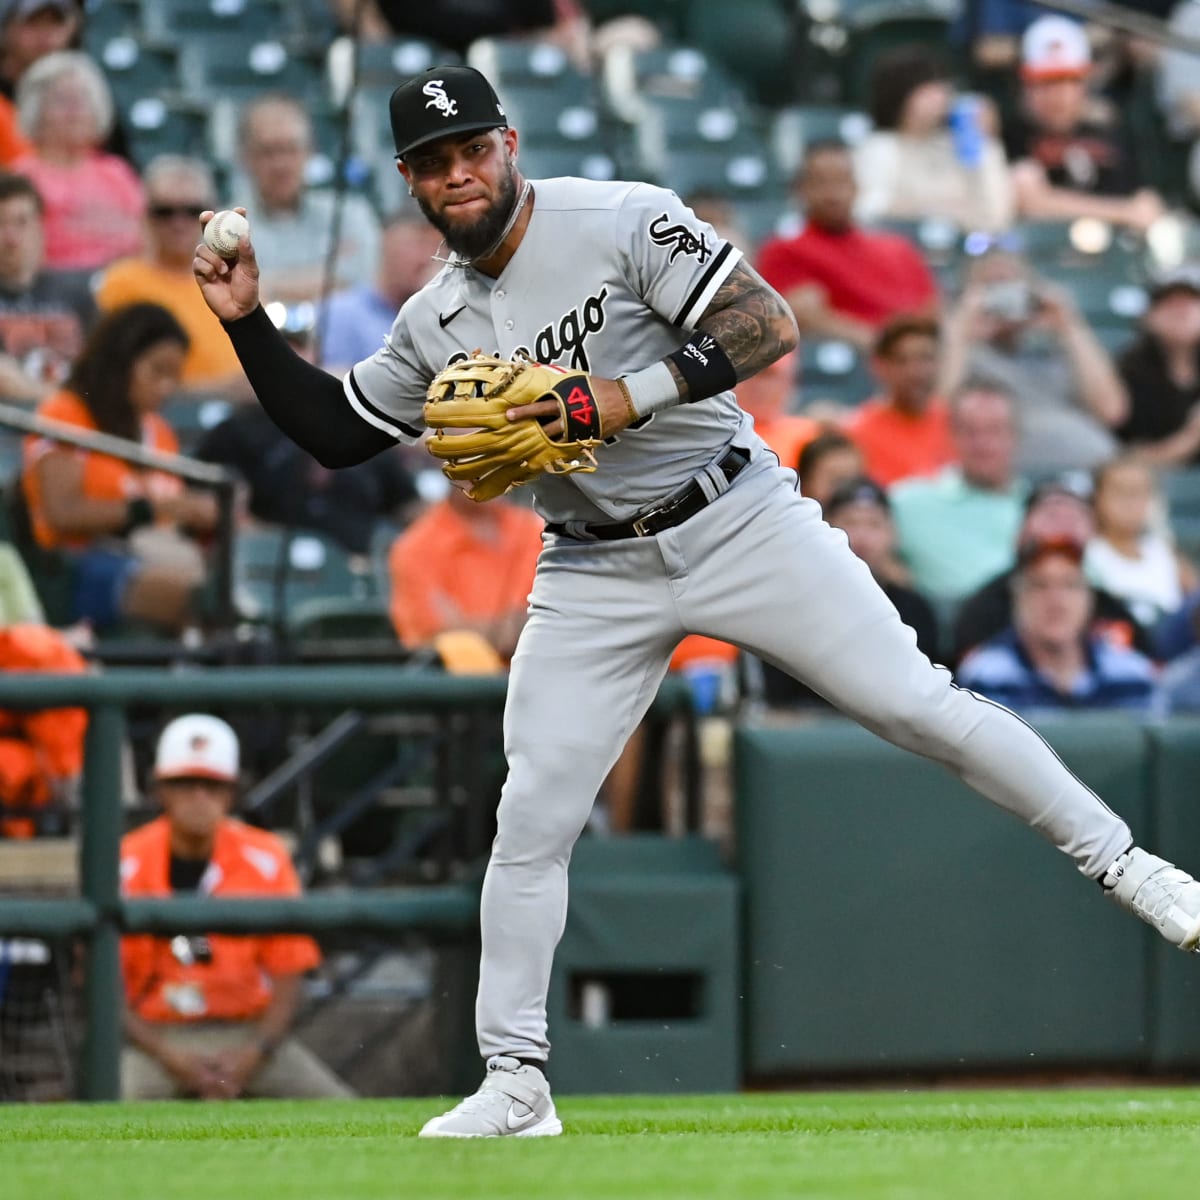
(654, 520)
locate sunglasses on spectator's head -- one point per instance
(163, 212)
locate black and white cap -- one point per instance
(442, 101)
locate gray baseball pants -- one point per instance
(760, 568)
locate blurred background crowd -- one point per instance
(983, 215)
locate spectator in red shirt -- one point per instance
(905, 430)
(840, 280)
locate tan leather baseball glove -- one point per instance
(466, 408)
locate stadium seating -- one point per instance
(183, 20)
(275, 569)
(107, 19)
(155, 126)
(231, 66)
(632, 77)
(833, 370)
(793, 128)
(136, 70)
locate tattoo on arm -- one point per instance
(750, 320)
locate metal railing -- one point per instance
(100, 915)
(203, 475)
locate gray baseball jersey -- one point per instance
(608, 278)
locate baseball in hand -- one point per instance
(222, 233)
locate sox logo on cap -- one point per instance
(440, 101)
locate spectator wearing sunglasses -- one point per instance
(178, 189)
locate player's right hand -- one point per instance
(229, 286)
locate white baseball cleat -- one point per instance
(1158, 892)
(513, 1101)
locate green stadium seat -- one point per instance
(795, 127)
(671, 126)
(134, 69)
(550, 161)
(755, 40)
(155, 126)
(358, 618)
(192, 417)
(1181, 487)
(833, 370)
(380, 65)
(631, 78)
(540, 66)
(107, 19)
(274, 569)
(176, 21)
(235, 68)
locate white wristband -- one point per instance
(651, 389)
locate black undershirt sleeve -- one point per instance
(308, 404)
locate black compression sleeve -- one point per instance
(308, 404)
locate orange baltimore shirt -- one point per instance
(898, 445)
(210, 354)
(104, 478)
(441, 557)
(236, 984)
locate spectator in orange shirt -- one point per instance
(178, 190)
(463, 568)
(766, 397)
(905, 430)
(126, 531)
(209, 1016)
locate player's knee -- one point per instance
(544, 805)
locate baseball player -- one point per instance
(683, 523)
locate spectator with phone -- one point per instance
(930, 153)
(1019, 331)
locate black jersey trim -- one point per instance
(374, 415)
(706, 281)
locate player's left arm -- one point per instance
(751, 323)
(746, 327)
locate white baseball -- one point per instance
(222, 233)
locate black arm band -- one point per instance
(705, 368)
(308, 404)
(138, 512)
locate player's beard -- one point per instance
(470, 241)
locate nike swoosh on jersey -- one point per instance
(519, 1122)
(444, 319)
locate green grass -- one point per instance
(1025, 1145)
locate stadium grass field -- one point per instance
(1024, 1145)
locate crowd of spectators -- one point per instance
(1000, 473)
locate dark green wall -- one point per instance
(894, 921)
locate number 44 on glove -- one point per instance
(467, 408)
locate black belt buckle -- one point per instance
(641, 527)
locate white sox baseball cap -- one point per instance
(1055, 48)
(197, 746)
(440, 102)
